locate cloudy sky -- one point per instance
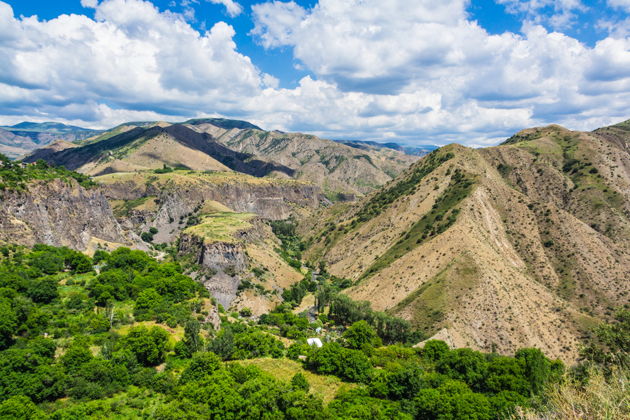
(413, 71)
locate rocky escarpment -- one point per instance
(221, 265)
(170, 202)
(232, 255)
(62, 213)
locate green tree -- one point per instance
(20, 407)
(201, 365)
(147, 344)
(361, 334)
(253, 343)
(8, 323)
(537, 368)
(299, 382)
(75, 356)
(43, 290)
(192, 339)
(434, 350)
(401, 382)
(467, 365)
(147, 302)
(451, 401)
(611, 346)
(80, 263)
(331, 358)
(46, 261)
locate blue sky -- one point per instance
(416, 72)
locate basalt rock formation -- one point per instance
(62, 213)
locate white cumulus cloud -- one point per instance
(558, 14)
(384, 47)
(621, 4)
(89, 3)
(379, 69)
(233, 8)
(130, 57)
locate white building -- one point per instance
(314, 342)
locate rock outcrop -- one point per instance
(168, 201)
(62, 213)
(227, 256)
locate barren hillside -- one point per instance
(216, 144)
(523, 244)
(335, 167)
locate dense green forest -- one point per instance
(121, 335)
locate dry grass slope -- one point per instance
(539, 250)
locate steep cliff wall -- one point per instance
(235, 259)
(168, 201)
(59, 212)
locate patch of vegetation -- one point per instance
(504, 170)
(292, 245)
(293, 295)
(383, 198)
(441, 216)
(573, 158)
(288, 324)
(221, 226)
(123, 208)
(331, 162)
(597, 387)
(432, 300)
(148, 236)
(168, 169)
(336, 196)
(584, 175)
(367, 158)
(15, 176)
(345, 311)
(322, 386)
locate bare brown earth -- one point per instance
(333, 166)
(222, 145)
(161, 150)
(539, 252)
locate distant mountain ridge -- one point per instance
(335, 167)
(221, 144)
(99, 158)
(22, 138)
(409, 150)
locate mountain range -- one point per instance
(20, 139)
(219, 144)
(523, 244)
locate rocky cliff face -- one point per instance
(168, 201)
(60, 213)
(225, 265)
(221, 265)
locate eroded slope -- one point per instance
(524, 244)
